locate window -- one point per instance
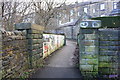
(78, 13)
(71, 20)
(60, 22)
(85, 10)
(102, 7)
(93, 10)
(71, 12)
(114, 5)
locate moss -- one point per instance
(113, 71)
(86, 67)
(92, 61)
(89, 75)
(88, 56)
(95, 68)
(105, 64)
(89, 48)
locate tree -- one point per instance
(14, 12)
(46, 11)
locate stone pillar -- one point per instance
(89, 48)
(34, 37)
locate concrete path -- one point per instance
(60, 64)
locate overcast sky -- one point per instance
(77, 0)
(55, 0)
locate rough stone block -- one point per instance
(92, 61)
(104, 71)
(33, 31)
(105, 64)
(90, 36)
(113, 71)
(109, 53)
(86, 67)
(89, 56)
(88, 43)
(89, 48)
(89, 61)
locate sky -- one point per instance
(73, 1)
(68, 1)
(77, 0)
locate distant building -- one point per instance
(116, 12)
(84, 10)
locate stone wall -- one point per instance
(109, 53)
(99, 49)
(14, 54)
(21, 51)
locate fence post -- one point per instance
(89, 48)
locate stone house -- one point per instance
(84, 10)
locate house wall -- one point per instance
(78, 12)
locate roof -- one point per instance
(81, 3)
(68, 24)
(74, 22)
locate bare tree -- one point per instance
(46, 11)
(13, 12)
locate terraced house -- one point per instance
(70, 15)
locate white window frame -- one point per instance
(102, 6)
(71, 20)
(86, 10)
(60, 22)
(114, 5)
(71, 12)
(78, 13)
(93, 10)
